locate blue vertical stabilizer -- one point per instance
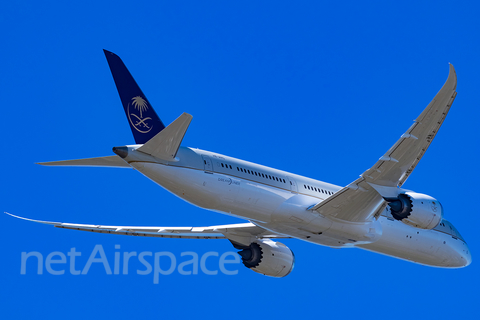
(143, 120)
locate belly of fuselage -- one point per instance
(218, 192)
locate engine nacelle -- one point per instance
(267, 257)
(416, 209)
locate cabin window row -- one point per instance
(226, 166)
(259, 174)
(317, 189)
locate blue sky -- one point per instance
(318, 89)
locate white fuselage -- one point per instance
(279, 201)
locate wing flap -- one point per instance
(356, 203)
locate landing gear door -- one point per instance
(293, 184)
(207, 163)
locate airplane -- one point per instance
(372, 213)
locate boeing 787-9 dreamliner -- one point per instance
(373, 212)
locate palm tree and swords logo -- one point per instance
(135, 115)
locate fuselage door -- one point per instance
(208, 163)
(293, 184)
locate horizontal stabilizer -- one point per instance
(166, 143)
(110, 161)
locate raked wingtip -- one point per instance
(38, 221)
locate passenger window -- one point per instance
(256, 173)
(222, 165)
(238, 169)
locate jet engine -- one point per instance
(267, 257)
(416, 209)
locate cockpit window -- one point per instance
(448, 228)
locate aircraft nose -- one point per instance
(463, 257)
(468, 257)
(456, 256)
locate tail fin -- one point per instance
(143, 120)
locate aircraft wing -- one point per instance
(363, 198)
(394, 167)
(212, 232)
